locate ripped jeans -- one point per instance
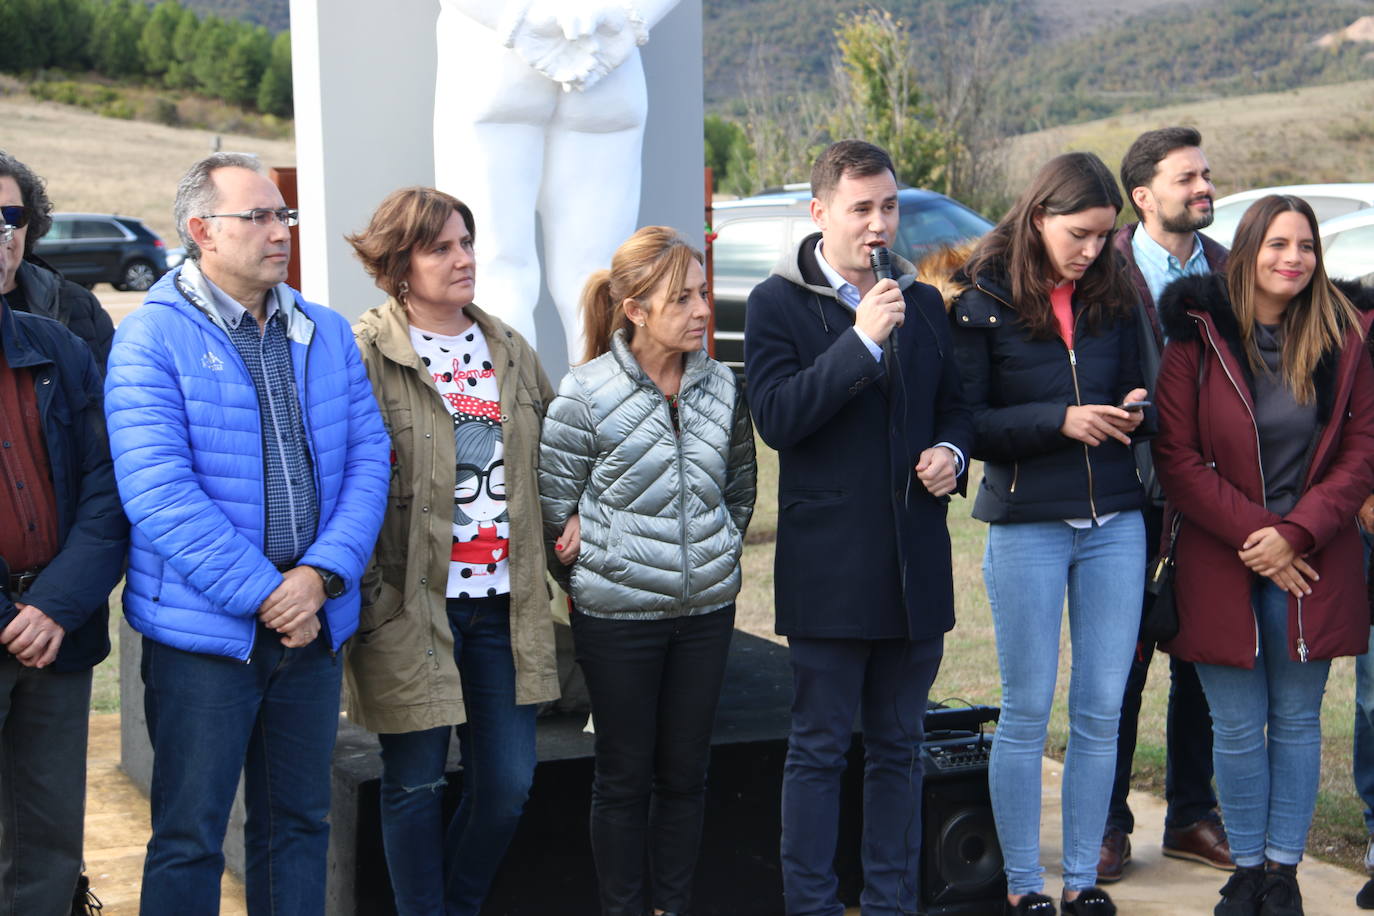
(448, 869)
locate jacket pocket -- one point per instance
(381, 603)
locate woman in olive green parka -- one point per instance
(456, 628)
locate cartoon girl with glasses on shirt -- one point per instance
(481, 523)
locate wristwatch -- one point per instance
(334, 584)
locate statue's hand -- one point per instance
(576, 44)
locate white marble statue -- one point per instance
(539, 107)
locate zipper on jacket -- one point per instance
(1302, 641)
(1087, 457)
(681, 491)
(1259, 463)
(1015, 473)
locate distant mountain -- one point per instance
(1063, 60)
(275, 14)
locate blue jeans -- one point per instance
(211, 718)
(1028, 568)
(1268, 788)
(437, 868)
(1363, 767)
(887, 682)
(43, 726)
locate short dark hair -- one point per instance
(34, 195)
(847, 157)
(1141, 162)
(406, 219)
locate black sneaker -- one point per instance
(1240, 896)
(1280, 893)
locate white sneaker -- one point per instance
(1369, 855)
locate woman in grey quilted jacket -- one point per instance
(646, 479)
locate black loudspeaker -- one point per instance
(961, 860)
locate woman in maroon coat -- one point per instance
(1265, 445)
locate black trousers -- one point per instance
(1188, 756)
(654, 685)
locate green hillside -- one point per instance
(1059, 63)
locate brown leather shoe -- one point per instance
(1203, 841)
(1116, 852)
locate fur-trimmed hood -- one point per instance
(1207, 293)
(944, 270)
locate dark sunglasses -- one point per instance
(17, 217)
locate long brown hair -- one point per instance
(1015, 249)
(1316, 319)
(639, 265)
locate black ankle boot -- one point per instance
(1241, 895)
(1280, 894)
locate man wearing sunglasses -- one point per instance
(253, 467)
(62, 545)
(29, 283)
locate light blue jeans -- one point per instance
(1363, 764)
(1267, 784)
(1028, 568)
(1363, 767)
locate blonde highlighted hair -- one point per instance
(1316, 320)
(640, 265)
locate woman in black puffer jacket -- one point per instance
(1045, 338)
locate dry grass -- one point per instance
(969, 672)
(1317, 134)
(106, 165)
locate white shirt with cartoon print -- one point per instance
(462, 371)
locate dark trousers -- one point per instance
(43, 722)
(654, 686)
(886, 682)
(1188, 751)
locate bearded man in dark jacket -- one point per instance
(1168, 181)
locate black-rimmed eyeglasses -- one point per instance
(470, 478)
(262, 216)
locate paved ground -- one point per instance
(117, 831)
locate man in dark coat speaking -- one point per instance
(852, 380)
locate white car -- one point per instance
(1348, 245)
(1328, 201)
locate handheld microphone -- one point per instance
(880, 259)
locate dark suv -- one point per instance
(751, 235)
(91, 248)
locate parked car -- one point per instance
(1348, 245)
(751, 234)
(91, 248)
(1328, 201)
(175, 256)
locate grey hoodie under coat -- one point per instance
(663, 515)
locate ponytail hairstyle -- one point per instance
(654, 257)
(1015, 250)
(1317, 318)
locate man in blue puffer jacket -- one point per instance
(253, 465)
